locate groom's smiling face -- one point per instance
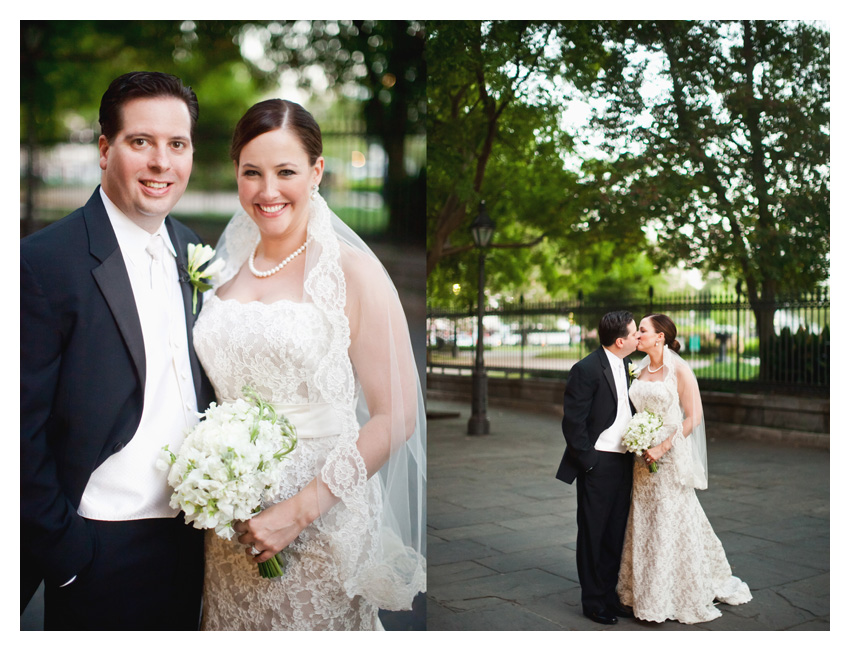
(147, 164)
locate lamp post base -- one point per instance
(478, 425)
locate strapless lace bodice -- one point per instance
(273, 348)
(661, 398)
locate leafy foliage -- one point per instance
(715, 143)
(495, 95)
(799, 358)
(728, 158)
(67, 65)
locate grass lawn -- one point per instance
(727, 370)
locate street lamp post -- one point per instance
(479, 424)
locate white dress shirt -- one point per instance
(128, 485)
(611, 440)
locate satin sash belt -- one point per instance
(311, 420)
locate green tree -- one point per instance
(496, 91)
(67, 65)
(728, 157)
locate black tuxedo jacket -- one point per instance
(82, 379)
(590, 407)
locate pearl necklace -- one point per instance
(651, 370)
(286, 261)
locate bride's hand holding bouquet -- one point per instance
(277, 526)
(640, 437)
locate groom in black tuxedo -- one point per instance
(109, 376)
(596, 412)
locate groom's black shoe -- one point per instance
(621, 610)
(601, 616)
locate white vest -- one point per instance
(611, 440)
(128, 485)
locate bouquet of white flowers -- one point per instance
(640, 434)
(227, 464)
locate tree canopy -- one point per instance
(710, 149)
(726, 156)
(495, 94)
(67, 65)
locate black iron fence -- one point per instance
(732, 345)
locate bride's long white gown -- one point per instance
(276, 349)
(673, 565)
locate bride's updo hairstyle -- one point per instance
(274, 114)
(663, 323)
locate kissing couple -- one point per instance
(644, 547)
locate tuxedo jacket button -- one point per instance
(118, 447)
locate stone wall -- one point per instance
(795, 420)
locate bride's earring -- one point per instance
(314, 192)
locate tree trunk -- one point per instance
(765, 311)
(765, 230)
(762, 295)
(448, 220)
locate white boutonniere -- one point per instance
(633, 372)
(198, 256)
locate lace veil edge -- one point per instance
(696, 440)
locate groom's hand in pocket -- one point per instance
(587, 460)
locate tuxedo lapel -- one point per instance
(181, 247)
(182, 261)
(114, 282)
(607, 372)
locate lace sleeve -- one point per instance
(677, 437)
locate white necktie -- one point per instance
(156, 249)
(161, 288)
(622, 385)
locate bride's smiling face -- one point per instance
(647, 335)
(274, 177)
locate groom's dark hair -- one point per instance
(142, 85)
(614, 325)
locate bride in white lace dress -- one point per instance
(673, 564)
(307, 317)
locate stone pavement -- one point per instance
(501, 546)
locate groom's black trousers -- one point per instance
(146, 575)
(604, 499)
